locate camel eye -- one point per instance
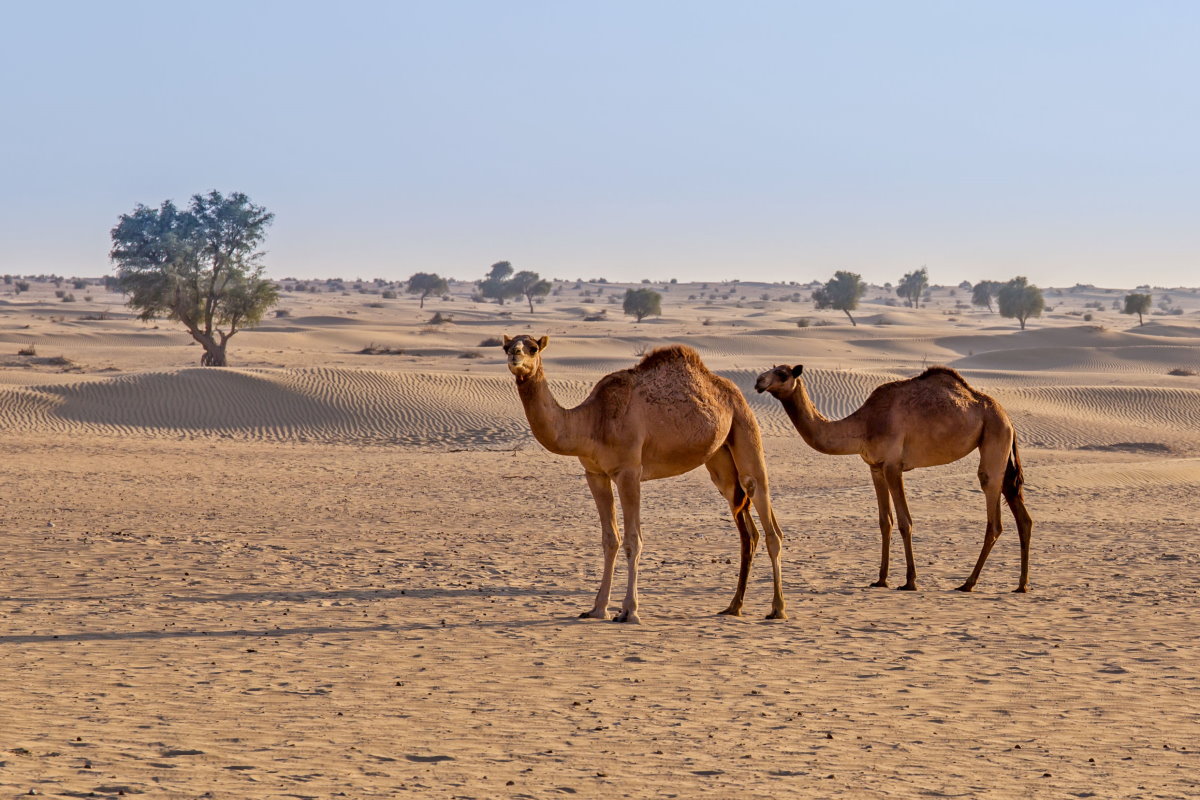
(532, 350)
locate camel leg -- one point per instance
(1016, 503)
(747, 455)
(724, 474)
(602, 493)
(990, 477)
(895, 483)
(885, 523)
(629, 485)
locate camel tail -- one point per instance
(1014, 475)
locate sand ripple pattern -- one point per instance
(476, 410)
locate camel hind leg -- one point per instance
(993, 457)
(894, 475)
(724, 475)
(1014, 480)
(745, 444)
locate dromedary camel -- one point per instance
(932, 419)
(664, 417)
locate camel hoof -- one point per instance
(1021, 590)
(594, 614)
(777, 615)
(629, 617)
(878, 585)
(966, 587)
(908, 587)
(730, 612)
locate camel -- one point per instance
(932, 419)
(664, 417)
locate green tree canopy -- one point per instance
(642, 303)
(427, 283)
(984, 292)
(530, 285)
(841, 292)
(912, 285)
(496, 285)
(199, 266)
(1137, 304)
(1020, 300)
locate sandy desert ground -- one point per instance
(323, 573)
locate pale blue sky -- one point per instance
(760, 140)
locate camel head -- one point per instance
(779, 380)
(524, 354)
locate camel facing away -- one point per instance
(932, 419)
(664, 417)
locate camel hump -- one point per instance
(672, 355)
(940, 371)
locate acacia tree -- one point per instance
(1020, 300)
(912, 285)
(496, 285)
(1137, 304)
(425, 284)
(642, 303)
(842, 292)
(530, 285)
(984, 292)
(199, 266)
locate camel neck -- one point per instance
(835, 438)
(547, 419)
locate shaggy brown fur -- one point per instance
(932, 419)
(665, 416)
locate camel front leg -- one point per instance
(895, 482)
(629, 486)
(602, 493)
(885, 523)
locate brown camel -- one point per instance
(932, 419)
(664, 417)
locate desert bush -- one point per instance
(375, 350)
(439, 318)
(376, 304)
(803, 322)
(388, 294)
(60, 293)
(282, 312)
(103, 315)
(28, 350)
(1087, 317)
(492, 341)
(1183, 372)
(68, 298)
(596, 317)
(470, 354)
(79, 283)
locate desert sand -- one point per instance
(329, 573)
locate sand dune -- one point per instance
(322, 572)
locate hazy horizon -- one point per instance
(773, 142)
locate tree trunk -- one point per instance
(1139, 319)
(214, 352)
(422, 301)
(847, 313)
(530, 299)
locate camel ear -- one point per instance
(542, 342)
(797, 370)
(507, 340)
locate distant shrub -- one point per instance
(376, 305)
(68, 298)
(470, 354)
(1183, 372)
(282, 312)
(1087, 317)
(87, 298)
(29, 350)
(60, 293)
(79, 283)
(491, 341)
(388, 294)
(375, 350)
(439, 318)
(803, 322)
(103, 315)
